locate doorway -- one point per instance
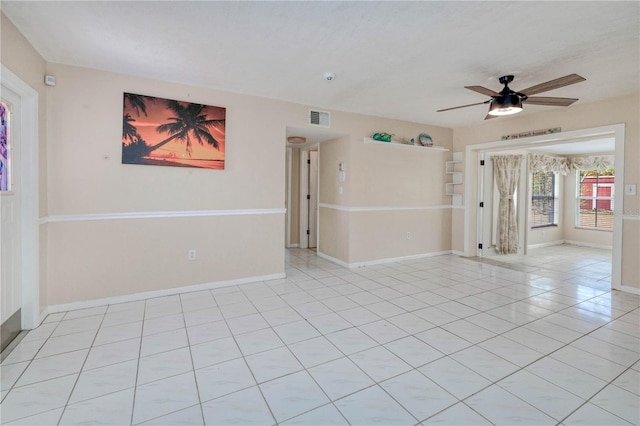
(490, 199)
(308, 198)
(475, 154)
(312, 200)
(303, 162)
(27, 269)
(10, 219)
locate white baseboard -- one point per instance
(296, 245)
(547, 244)
(628, 289)
(581, 244)
(381, 261)
(43, 315)
(333, 259)
(458, 253)
(158, 293)
(573, 243)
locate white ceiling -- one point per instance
(399, 60)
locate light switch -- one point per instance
(630, 189)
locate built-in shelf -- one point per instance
(406, 145)
(456, 179)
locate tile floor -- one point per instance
(441, 340)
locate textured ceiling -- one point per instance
(400, 60)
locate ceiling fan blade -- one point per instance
(462, 106)
(550, 101)
(553, 84)
(482, 90)
(489, 116)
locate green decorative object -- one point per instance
(383, 137)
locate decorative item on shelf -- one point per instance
(383, 137)
(425, 139)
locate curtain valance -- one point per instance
(600, 163)
(548, 163)
(564, 165)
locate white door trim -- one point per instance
(30, 232)
(304, 205)
(472, 153)
(287, 229)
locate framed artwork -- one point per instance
(166, 132)
(5, 152)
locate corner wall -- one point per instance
(117, 229)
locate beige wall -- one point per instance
(107, 258)
(335, 230)
(391, 190)
(23, 60)
(579, 116)
(93, 259)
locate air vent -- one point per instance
(319, 118)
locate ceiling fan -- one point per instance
(508, 102)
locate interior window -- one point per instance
(544, 200)
(595, 199)
(5, 176)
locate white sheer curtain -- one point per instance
(506, 172)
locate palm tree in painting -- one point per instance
(190, 122)
(129, 131)
(138, 103)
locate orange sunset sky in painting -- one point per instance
(175, 153)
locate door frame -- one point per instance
(287, 200)
(304, 188)
(29, 197)
(472, 171)
(489, 196)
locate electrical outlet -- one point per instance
(408, 235)
(630, 189)
(191, 254)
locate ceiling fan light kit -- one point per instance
(505, 105)
(507, 102)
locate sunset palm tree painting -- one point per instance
(167, 132)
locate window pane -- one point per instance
(543, 200)
(596, 199)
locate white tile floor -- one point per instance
(441, 340)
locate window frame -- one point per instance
(554, 197)
(594, 198)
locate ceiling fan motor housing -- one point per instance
(505, 79)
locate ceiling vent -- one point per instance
(319, 118)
